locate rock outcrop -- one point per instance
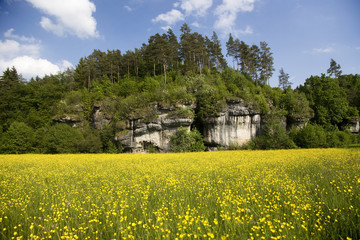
(235, 125)
(99, 118)
(354, 125)
(139, 133)
(71, 120)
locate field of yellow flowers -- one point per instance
(283, 194)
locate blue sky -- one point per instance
(46, 36)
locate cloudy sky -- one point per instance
(46, 36)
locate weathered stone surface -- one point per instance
(72, 121)
(354, 125)
(99, 118)
(235, 125)
(298, 123)
(139, 134)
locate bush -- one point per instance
(339, 139)
(185, 141)
(61, 138)
(310, 136)
(273, 137)
(92, 141)
(18, 139)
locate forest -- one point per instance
(169, 70)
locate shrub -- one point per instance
(273, 137)
(339, 139)
(62, 138)
(18, 139)
(310, 136)
(185, 141)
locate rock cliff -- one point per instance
(354, 125)
(235, 125)
(140, 133)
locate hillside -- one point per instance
(142, 101)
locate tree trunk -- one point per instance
(128, 69)
(112, 79)
(165, 73)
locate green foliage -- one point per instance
(351, 84)
(92, 141)
(295, 104)
(18, 139)
(107, 135)
(208, 102)
(327, 99)
(152, 149)
(185, 141)
(61, 138)
(310, 136)
(284, 81)
(334, 69)
(273, 137)
(127, 88)
(339, 139)
(261, 104)
(184, 112)
(169, 72)
(315, 136)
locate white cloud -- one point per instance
(195, 24)
(71, 17)
(165, 28)
(9, 34)
(30, 67)
(128, 8)
(25, 57)
(195, 7)
(227, 14)
(170, 17)
(323, 50)
(248, 30)
(64, 65)
(12, 48)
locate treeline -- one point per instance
(35, 115)
(193, 52)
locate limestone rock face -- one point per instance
(72, 121)
(354, 125)
(99, 118)
(140, 134)
(235, 125)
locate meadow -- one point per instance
(282, 194)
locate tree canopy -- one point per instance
(167, 70)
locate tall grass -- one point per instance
(302, 194)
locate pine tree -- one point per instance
(266, 63)
(215, 50)
(284, 82)
(174, 47)
(230, 46)
(254, 62)
(335, 69)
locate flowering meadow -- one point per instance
(282, 194)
